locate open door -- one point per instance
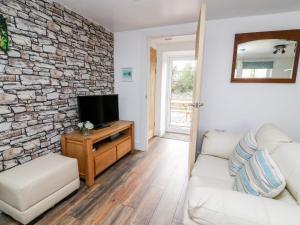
(151, 93)
(197, 85)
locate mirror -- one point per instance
(266, 57)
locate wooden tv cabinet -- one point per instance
(98, 151)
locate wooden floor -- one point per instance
(142, 188)
(177, 136)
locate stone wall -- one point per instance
(55, 55)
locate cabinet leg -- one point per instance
(90, 182)
(90, 178)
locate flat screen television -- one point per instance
(98, 109)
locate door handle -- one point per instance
(196, 105)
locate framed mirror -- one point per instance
(266, 57)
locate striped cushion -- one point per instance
(260, 176)
(242, 153)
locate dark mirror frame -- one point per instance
(293, 35)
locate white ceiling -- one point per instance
(121, 15)
(174, 39)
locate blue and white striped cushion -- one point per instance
(260, 176)
(242, 153)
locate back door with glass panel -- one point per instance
(180, 93)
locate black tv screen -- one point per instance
(98, 109)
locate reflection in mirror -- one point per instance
(268, 58)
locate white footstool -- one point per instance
(28, 190)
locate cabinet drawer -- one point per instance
(123, 148)
(104, 160)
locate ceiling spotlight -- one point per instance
(279, 48)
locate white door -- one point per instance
(197, 84)
(181, 71)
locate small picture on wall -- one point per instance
(126, 74)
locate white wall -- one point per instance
(127, 54)
(233, 107)
(239, 107)
(131, 50)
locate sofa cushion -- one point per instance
(287, 157)
(23, 186)
(269, 137)
(219, 143)
(260, 176)
(208, 171)
(285, 196)
(207, 206)
(197, 181)
(243, 151)
(212, 167)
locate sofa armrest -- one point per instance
(223, 207)
(219, 143)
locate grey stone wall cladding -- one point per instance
(55, 55)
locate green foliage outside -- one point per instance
(183, 85)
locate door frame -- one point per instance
(151, 88)
(184, 56)
(144, 68)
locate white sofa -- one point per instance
(210, 199)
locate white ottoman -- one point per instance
(28, 190)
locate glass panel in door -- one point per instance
(181, 93)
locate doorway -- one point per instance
(171, 64)
(180, 93)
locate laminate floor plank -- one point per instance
(143, 188)
(120, 215)
(68, 220)
(167, 206)
(147, 181)
(123, 189)
(179, 210)
(146, 207)
(6, 220)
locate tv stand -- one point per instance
(98, 151)
(102, 126)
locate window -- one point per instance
(257, 69)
